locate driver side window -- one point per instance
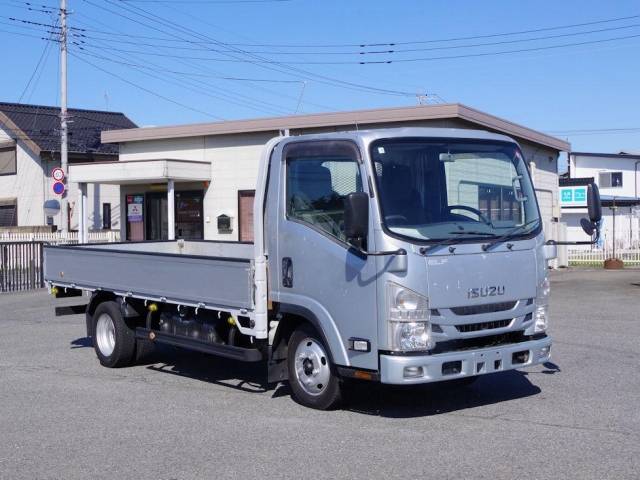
(317, 187)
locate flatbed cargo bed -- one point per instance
(207, 274)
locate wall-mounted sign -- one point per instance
(573, 196)
(58, 188)
(135, 208)
(57, 174)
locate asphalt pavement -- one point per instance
(188, 416)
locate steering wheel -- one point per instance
(475, 211)
(396, 218)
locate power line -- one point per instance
(257, 60)
(248, 103)
(45, 52)
(440, 40)
(595, 131)
(384, 61)
(208, 2)
(145, 89)
(372, 44)
(374, 52)
(207, 73)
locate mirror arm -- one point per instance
(400, 251)
(591, 242)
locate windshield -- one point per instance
(434, 189)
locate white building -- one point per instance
(30, 150)
(617, 178)
(198, 181)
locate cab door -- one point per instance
(320, 271)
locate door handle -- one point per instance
(287, 272)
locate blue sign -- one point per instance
(58, 188)
(573, 196)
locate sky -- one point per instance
(575, 73)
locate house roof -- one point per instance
(357, 119)
(635, 156)
(575, 181)
(38, 126)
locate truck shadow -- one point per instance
(247, 377)
(434, 399)
(360, 397)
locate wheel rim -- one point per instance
(105, 334)
(312, 367)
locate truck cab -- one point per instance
(445, 274)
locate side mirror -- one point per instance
(587, 226)
(593, 203)
(356, 216)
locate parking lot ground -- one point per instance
(188, 416)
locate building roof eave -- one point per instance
(21, 136)
(319, 120)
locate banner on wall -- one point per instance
(135, 212)
(573, 196)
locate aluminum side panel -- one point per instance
(183, 278)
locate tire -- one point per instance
(113, 340)
(312, 377)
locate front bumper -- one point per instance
(465, 363)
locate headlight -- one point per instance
(408, 315)
(541, 314)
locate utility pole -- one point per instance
(64, 155)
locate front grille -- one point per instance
(479, 342)
(476, 327)
(486, 308)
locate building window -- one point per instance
(8, 213)
(610, 179)
(8, 160)
(498, 203)
(106, 216)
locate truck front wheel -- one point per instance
(113, 340)
(311, 375)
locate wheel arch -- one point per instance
(295, 315)
(97, 297)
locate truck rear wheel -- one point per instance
(312, 377)
(113, 340)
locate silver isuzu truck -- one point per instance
(400, 256)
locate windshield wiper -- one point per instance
(453, 241)
(508, 235)
(473, 232)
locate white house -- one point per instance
(616, 175)
(198, 181)
(30, 150)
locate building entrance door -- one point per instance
(189, 213)
(156, 218)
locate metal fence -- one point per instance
(21, 266)
(57, 238)
(596, 257)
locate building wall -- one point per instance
(235, 158)
(627, 231)
(583, 166)
(32, 186)
(28, 185)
